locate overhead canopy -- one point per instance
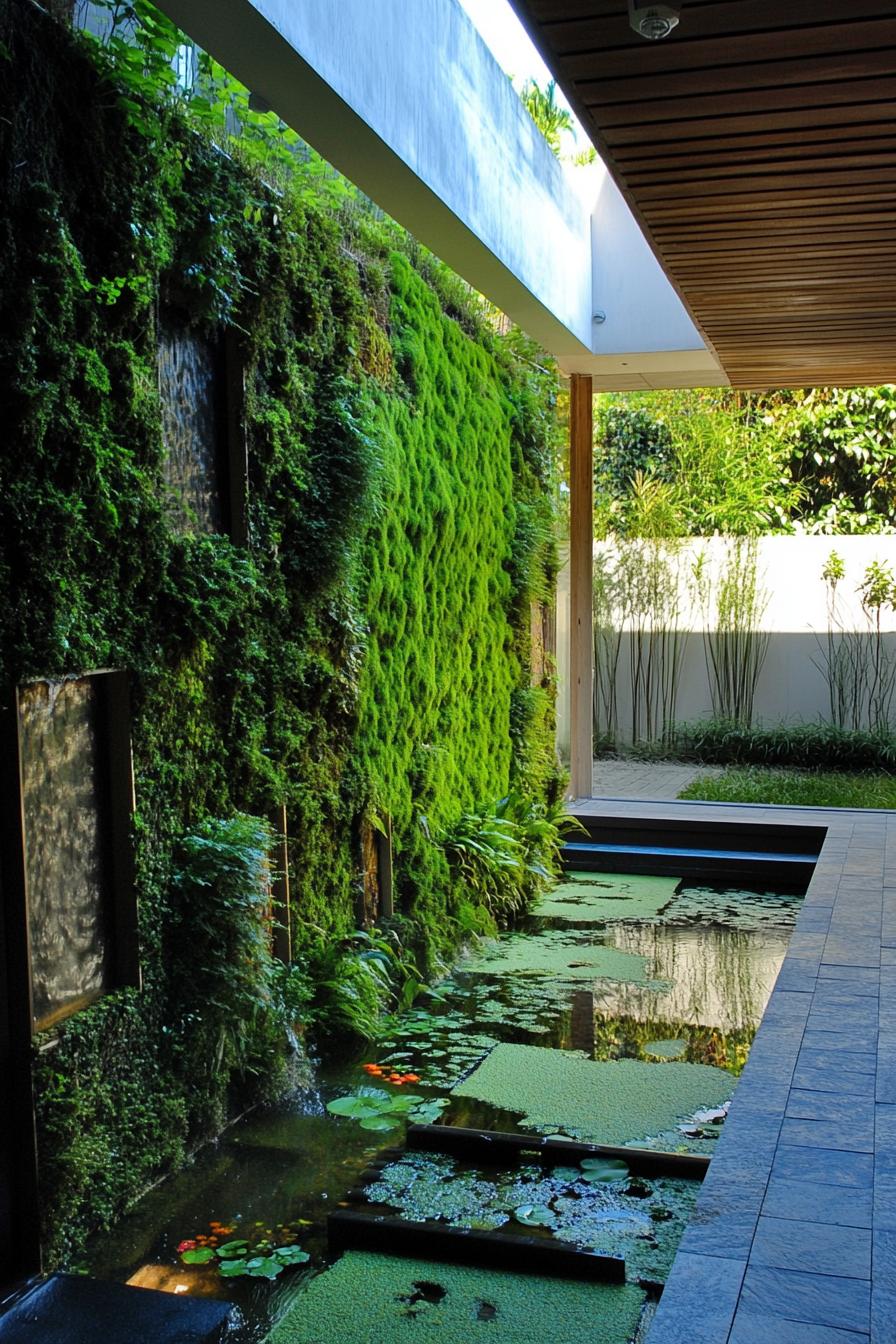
(755, 145)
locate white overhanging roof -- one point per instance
(405, 99)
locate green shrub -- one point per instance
(809, 746)
(507, 854)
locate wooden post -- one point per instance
(281, 942)
(581, 532)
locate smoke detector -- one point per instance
(653, 21)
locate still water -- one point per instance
(675, 973)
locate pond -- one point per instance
(621, 1011)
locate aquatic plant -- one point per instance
(375, 1109)
(263, 1254)
(453, 1304)
(557, 1091)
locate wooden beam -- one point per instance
(581, 531)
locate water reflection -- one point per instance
(717, 977)
(700, 963)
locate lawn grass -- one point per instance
(795, 788)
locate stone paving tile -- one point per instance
(759, 1093)
(828, 1166)
(698, 1300)
(752, 1328)
(851, 1135)
(846, 1205)
(849, 1062)
(814, 919)
(883, 1290)
(843, 1043)
(794, 1181)
(885, 1090)
(792, 976)
(844, 950)
(859, 979)
(855, 975)
(817, 1299)
(787, 1006)
(822, 1078)
(725, 1218)
(808, 944)
(806, 1105)
(829, 1248)
(861, 1021)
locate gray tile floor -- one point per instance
(793, 1240)
(645, 779)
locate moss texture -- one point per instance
(617, 1102)
(367, 648)
(367, 1297)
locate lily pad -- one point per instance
(603, 1170)
(535, 1215)
(201, 1256)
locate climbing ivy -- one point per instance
(367, 651)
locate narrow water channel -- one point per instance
(661, 981)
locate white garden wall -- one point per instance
(791, 687)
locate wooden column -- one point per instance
(581, 531)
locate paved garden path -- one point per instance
(793, 1240)
(645, 779)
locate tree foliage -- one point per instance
(822, 460)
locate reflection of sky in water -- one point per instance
(61, 787)
(718, 977)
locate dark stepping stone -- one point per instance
(69, 1309)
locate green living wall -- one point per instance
(366, 652)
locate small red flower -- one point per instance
(186, 1246)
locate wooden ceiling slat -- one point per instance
(795, 75)
(699, 187)
(750, 128)
(765, 51)
(860, 163)
(708, 108)
(584, 31)
(825, 154)
(757, 147)
(765, 205)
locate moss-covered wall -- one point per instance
(366, 651)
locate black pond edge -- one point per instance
(495, 1148)
(354, 1230)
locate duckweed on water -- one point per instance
(562, 954)
(665, 1049)
(618, 1102)
(595, 1206)
(588, 898)
(375, 1299)
(747, 911)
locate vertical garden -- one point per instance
(357, 650)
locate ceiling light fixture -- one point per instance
(653, 21)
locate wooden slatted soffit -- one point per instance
(756, 145)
